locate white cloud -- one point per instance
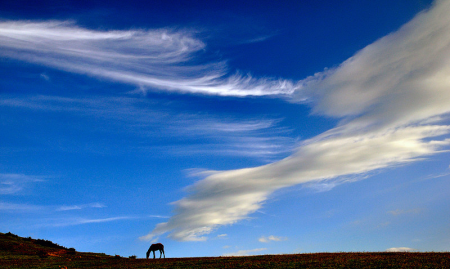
(399, 79)
(19, 207)
(256, 138)
(229, 196)
(264, 239)
(73, 221)
(385, 95)
(16, 183)
(400, 249)
(81, 221)
(245, 252)
(79, 207)
(398, 212)
(164, 59)
(45, 77)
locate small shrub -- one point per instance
(132, 257)
(12, 235)
(47, 243)
(42, 254)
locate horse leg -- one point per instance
(163, 253)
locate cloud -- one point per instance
(16, 183)
(79, 207)
(80, 221)
(385, 96)
(403, 212)
(73, 221)
(403, 75)
(267, 239)
(164, 59)
(244, 252)
(45, 77)
(400, 249)
(227, 197)
(19, 207)
(222, 136)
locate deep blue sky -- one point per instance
(328, 122)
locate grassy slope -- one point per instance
(18, 252)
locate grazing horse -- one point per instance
(155, 247)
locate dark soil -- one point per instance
(19, 252)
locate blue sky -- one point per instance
(226, 128)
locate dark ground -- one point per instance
(19, 252)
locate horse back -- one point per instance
(157, 246)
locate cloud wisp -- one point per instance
(262, 139)
(390, 96)
(246, 252)
(79, 207)
(264, 239)
(401, 249)
(16, 183)
(13, 207)
(163, 59)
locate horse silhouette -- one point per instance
(155, 247)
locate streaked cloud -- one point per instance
(162, 59)
(44, 76)
(80, 221)
(14, 207)
(248, 252)
(398, 212)
(389, 97)
(79, 207)
(266, 239)
(16, 183)
(76, 220)
(400, 249)
(221, 136)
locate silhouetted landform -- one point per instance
(19, 252)
(27, 250)
(15, 245)
(41, 242)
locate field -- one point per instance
(18, 252)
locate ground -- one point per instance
(19, 252)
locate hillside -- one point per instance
(19, 252)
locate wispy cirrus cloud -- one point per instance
(73, 221)
(247, 252)
(266, 239)
(222, 136)
(398, 212)
(400, 249)
(390, 96)
(163, 59)
(14, 207)
(79, 207)
(16, 183)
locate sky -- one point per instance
(226, 128)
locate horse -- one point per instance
(155, 247)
